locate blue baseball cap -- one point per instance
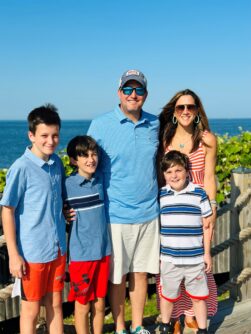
(133, 75)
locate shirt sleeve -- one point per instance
(95, 131)
(15, 187)
(63, 177)
(63, 182)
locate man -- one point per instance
(128, 137)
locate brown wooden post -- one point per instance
(240, 252)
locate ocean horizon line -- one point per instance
(14, 134)
(90, 119)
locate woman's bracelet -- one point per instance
(213, 202)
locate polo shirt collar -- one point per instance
(143, 118)
(188, 188)
(122, 117)
(38, 161)
(81, 180)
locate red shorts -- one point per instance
(42, 278)
(88, 280)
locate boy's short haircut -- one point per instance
(173, 158)
(80, 145)
(46, 114)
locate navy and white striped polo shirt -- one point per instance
(181, 224)
(89, 237)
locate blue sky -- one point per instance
(72, 53)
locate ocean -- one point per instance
(14, 134)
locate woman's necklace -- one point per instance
(182, 145)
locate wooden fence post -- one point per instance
(240, 252)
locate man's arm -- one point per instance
(207, 236)
(16, 262)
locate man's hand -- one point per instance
(17, 266)
(208, 263)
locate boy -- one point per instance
(89, 243)
(185, 244)
(33, 223)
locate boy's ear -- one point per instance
(31, 136)
(73, 162)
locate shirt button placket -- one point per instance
(135, 135)
(55, 201)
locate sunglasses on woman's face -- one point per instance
(181, 107)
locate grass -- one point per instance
(224, 296)
(150, 309)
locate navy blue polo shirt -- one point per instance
(89, 236)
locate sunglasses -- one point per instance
(190, 107)
(138, 90)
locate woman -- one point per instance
(184, 127)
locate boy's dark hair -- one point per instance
(173, 158)
(80, 145)
(46, 114)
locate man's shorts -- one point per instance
(135, 249)
(88, 280)
(43, 278)
(171, 276)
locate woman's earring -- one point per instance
(174, 120)
(197, 119)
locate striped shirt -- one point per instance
(89, 238)
(181, 224)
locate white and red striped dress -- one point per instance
(184, 304)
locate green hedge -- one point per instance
(233, 152)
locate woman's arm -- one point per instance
(210, 185)
(207, 232)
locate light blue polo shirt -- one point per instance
(89, 236)
(128, 162)
(34, 189)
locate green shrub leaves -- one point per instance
(233, 152)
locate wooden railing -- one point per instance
(231, 248)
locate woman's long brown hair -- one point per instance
(167, 128)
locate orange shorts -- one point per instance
(88, 280)
(42, 278)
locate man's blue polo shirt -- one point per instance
(34, 189)
(128, 162)
(89, 237)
